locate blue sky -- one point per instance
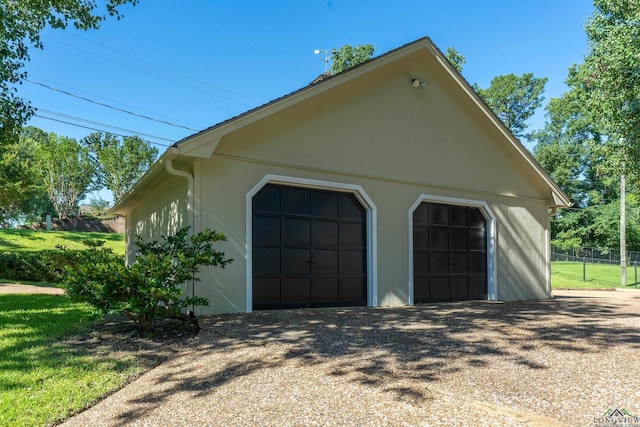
(198, 62)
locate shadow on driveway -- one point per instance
(407, 352)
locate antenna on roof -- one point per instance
(327, 56)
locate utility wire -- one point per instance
(157, 66)
(102, 124)
(109, 106)
(114, 101)
(156, 75)
(99, 130)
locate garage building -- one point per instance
(391, 183)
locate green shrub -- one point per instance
(47, 265)
(149, 288)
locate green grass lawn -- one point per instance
(42, 379)
(565, 274)
(12, 240)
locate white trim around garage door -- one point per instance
(492, 290)
(363, 198)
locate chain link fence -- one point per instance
(596, 256)
(593, 255)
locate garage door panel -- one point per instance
(352, 262)
(296, 261)
(438, 214)
(459, 215)
(308, 247)
(459, 288)
(439, 238)
(296, 201)
(439, 263)
(326, 261)
(296, 291)
(350, 208)
(421, 263)
(449, 252)
(439, 288)
(353, 291)
(267, 200)
(266, 291)
(459, 262)
(421, 289)
(324, 204)
(476, 219)
(296, 232)
(325, 233)
(459, 238)
(478, 287)
(477, 239)
(477, 262)
(325, 291)
(266, 261)
(420, 237)
(352, 234)
(421, 215)
(266, 231)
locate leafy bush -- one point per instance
(44, 266)
(149, 288)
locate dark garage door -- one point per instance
(309, 248)
(449, 253)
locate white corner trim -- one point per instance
(371, 226)
(492, 276)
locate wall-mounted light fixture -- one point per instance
(418, 83)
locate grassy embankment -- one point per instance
(42, 377)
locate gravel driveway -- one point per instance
(557, 362)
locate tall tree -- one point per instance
(348, 56)
(456, 58)
(68, 171)
(19, 178)
(609, 82)
(121, 162)
(565, 148)
(514, 99)
(22, 22)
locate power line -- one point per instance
(115, 101)
(109, 106)
(158, 66)
(158, 76)
(102, 130)
(55, 113)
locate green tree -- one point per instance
(121, 162)
(456, 58)
(22, 23)
(68, 172)
(348, 56)
(19, 176)
(565, 149)
(514, 99)
(609, 82)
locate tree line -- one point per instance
(45, 173)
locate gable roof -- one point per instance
(204, 143)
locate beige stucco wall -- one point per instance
(397, 143)
(520, 233)
(160, 214)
